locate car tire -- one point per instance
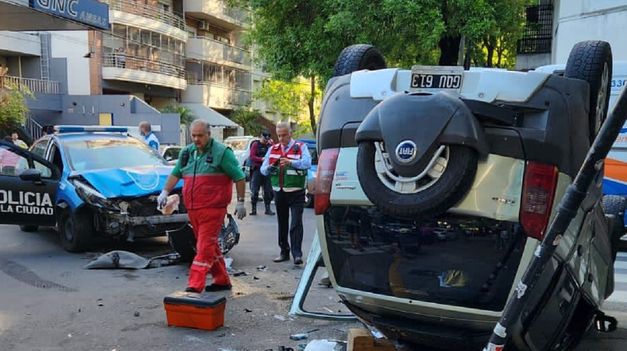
(75, 230)
(615, 205)
(183, 242)
(29, 228)
(592, 61)
(357, 57)
(309, 200)
(444, 193)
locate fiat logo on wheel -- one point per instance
(406, 151)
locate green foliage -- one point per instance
(290, 99)
(496, 47)
(187, 116)
(247, 120)
(13, 108)
(303, 38)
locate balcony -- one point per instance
(143, 71)
(206, 49)
(215, 95)
(219, 12)
(40, 86)
(143, 16)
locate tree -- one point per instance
(497, 47)
(13, 108)
(247, 120)
(289, 98)
(303, 37)
(187, 116)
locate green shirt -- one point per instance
(224, 161)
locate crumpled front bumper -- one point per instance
(150, 220)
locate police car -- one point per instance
(88, 182)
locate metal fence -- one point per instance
(154, 12)
(33, 85)
(538, 34)
(142, 64)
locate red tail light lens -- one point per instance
(324, 179)
(538, 191)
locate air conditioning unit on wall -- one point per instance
(203, 25)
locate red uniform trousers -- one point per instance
(207, 223)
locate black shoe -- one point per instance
(218, 287)
(188, 289)
(298, 260)
(281, 258)
(253, 212)
(269, 211)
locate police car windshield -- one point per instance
(104, 153)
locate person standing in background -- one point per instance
(258, 151)
(287, 163)
(145, 129)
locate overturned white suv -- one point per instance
(436, 184)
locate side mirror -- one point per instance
(31, 174)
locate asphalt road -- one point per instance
(48, 301)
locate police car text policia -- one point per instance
(25, 202)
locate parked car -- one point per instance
(89, 182)
(170, 153)
(310, 190)
(436, 184)
(241, 148)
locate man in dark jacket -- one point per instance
(258, 151)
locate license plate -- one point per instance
(436, 77)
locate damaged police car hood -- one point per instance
(128, 182)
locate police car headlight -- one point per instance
(92, 196)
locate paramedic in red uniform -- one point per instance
(287, 163)
(208, 169)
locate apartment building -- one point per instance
(163, 52)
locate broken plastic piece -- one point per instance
(171, 205)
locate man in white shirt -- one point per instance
(149, 137)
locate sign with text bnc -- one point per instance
(90, 12)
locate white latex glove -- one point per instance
(240, 210)
(162, 200)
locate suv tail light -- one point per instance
(324, 179)
(537, 201)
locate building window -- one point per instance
(538, 33)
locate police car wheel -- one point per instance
(357, 57)
(592, 61)
(29, 228)
(442, 185)
(183, 242)
(75, 230)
